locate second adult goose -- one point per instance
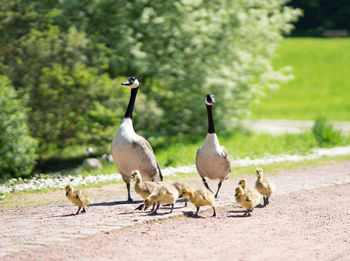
(131, 151)
(212, 160)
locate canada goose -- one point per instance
(212, 160)
(248, 199)
(143, 188)
(77, 197)
(131, 151)
(179, 186)
(264, 186)
(162, 194)
(199, 198)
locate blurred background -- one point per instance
(62, 62)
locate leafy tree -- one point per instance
(17, 147)
(65, 57)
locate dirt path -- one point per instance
(294, 225)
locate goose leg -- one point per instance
(206, 184)
(128, 188)
(78, 211)
(217, 192)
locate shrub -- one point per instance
(324, 133)
(17, 147)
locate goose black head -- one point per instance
(132, 82)
(209, 100)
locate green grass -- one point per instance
(239, 145)
(322, 81)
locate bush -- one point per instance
(324, 133)
(17, 147)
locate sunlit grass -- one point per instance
(322, 81)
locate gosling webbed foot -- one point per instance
(139, 207)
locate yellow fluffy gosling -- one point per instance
(77, 197)
(247, 199)
(199, 198)
(179, 186)
(143, 188)
(264, 186)
(162, 194)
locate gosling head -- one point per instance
(185, 192)
(132, 82)
(135, 175)
(69, 189)
(147, 203)
(259, 172)
(209, 99)
(238, 192)
(242, 183)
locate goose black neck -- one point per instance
(129, 110)
(211, 128)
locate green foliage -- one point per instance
(64, 56)
(324, 133)
(17, 148)
(321, 81)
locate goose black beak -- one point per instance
(126, 83)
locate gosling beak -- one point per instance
(240, 183)
(180, 196)
(145, 207)
(132, 176)
(66, 194)
(236, 195)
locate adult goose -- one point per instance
(131, 151)
(212, 160)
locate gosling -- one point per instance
(162, 194)
(243, 184)
(264, 186)
(143, 188)
(77, 197)
(179, 186)
(247, 199)
(199, 198)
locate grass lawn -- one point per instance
(321, 68)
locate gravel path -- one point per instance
(308, 221)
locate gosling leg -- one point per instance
(84, 211)
(214, 214)
(185, 202)
(140, 207)
(129, 196)
(267, 201)
(153, 206)
(155, 211)
(172, 207)
(78, 211)
(217, 192)
(206, 184)
(196, 215)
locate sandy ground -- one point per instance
(308, 218)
